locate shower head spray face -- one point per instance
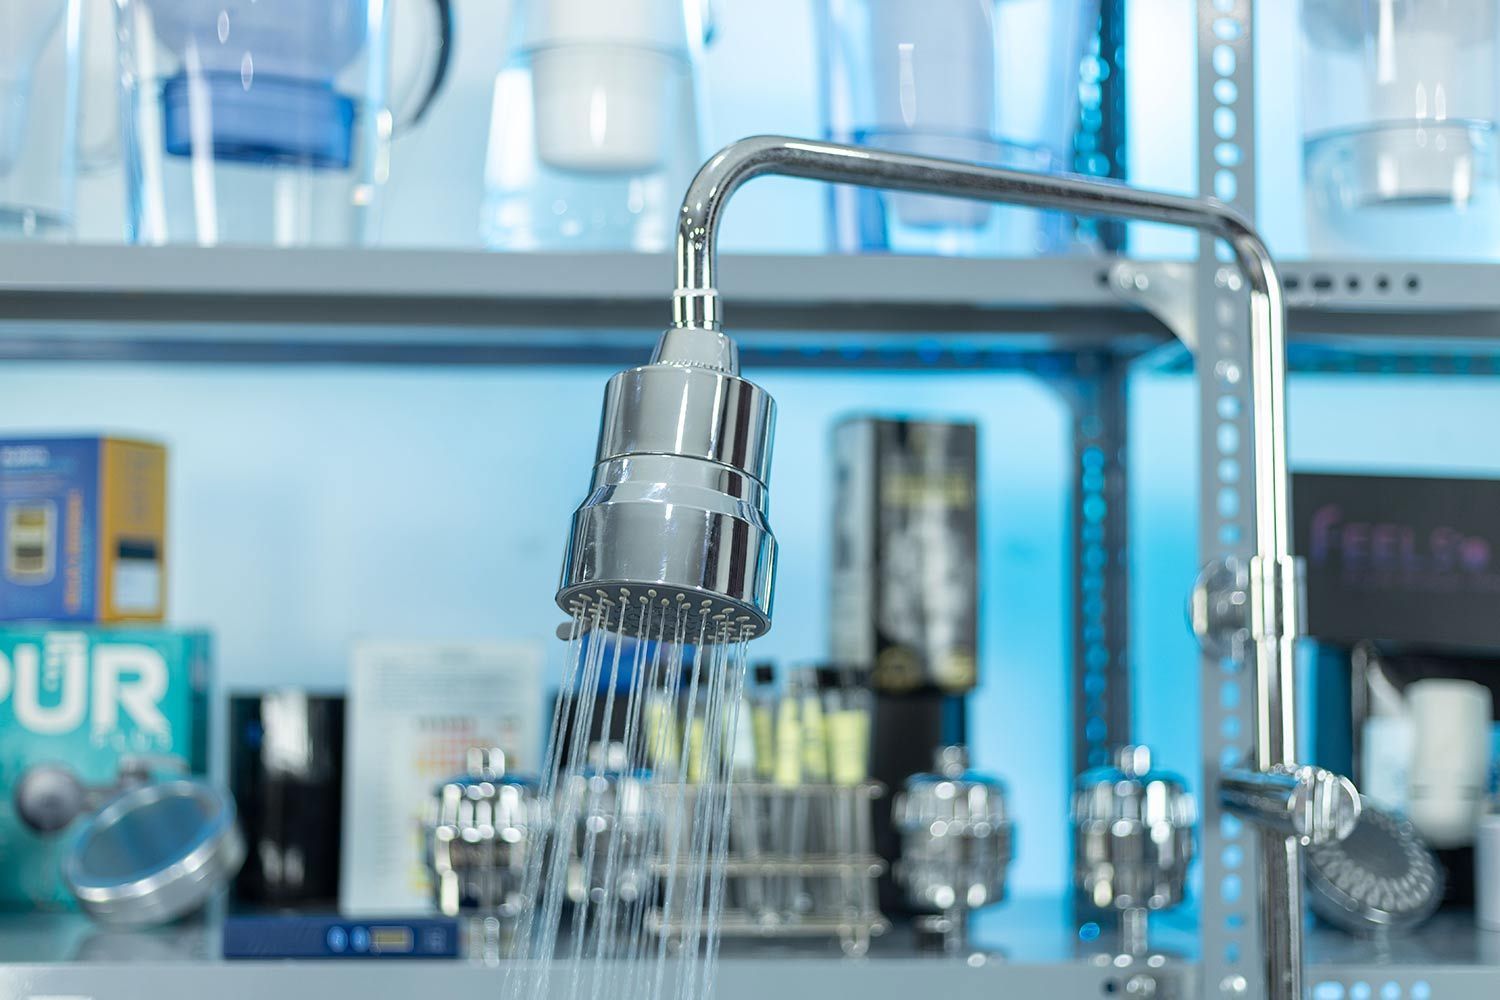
(673, 540)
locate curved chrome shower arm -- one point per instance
(696, 339)
(696, 300)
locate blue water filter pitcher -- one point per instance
(991, 81)
(1399, 109)
(262, 121)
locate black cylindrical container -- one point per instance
(286, 770)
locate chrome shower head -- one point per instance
(673, 535)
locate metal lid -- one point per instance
(955, 835)
(479, 828)
(485, 803)
(49, 797)
(964, 802)
(155, 853)
(1133, 833)
(1130, 789)
(607, 793)
(484, 775)
(1381, 877)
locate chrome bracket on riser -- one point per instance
(1233, 601)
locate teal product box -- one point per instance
(82, 699)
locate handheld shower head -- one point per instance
(673, 536)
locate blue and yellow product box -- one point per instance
(83, 524)
(75, 702)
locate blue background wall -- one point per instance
(311, 506)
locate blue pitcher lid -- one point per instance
(270, 120)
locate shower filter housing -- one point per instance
(673, 533)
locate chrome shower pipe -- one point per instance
(696, 338)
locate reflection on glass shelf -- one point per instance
(1026, 931)
(46, 938)
(1045, 930)
(1450, 939)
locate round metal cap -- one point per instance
(963, 802)
(956, 835)
(1381, 877)
(48, 797)
(482, 826)
(1133, 833)
(155, 853)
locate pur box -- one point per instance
(77, 702)
(83, 529)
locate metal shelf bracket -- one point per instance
(1165, 289)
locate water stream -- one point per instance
(625, 885)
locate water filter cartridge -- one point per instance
(814, 736)
(934, 75)
(603, 82)
(788, 769)
(1385, 761)
(1450, 764)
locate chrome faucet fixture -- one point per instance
(676, 518)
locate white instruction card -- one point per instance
(415, 709)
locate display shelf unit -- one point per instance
(411, 306)
(237, 303)
(1072, 321)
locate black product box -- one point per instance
(905, 601)
(1401, 559)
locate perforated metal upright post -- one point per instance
(1099, 142)
(1232, 931)
(1099, 690)
(1095, 394)
(1101, 694)
(1100, 705)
